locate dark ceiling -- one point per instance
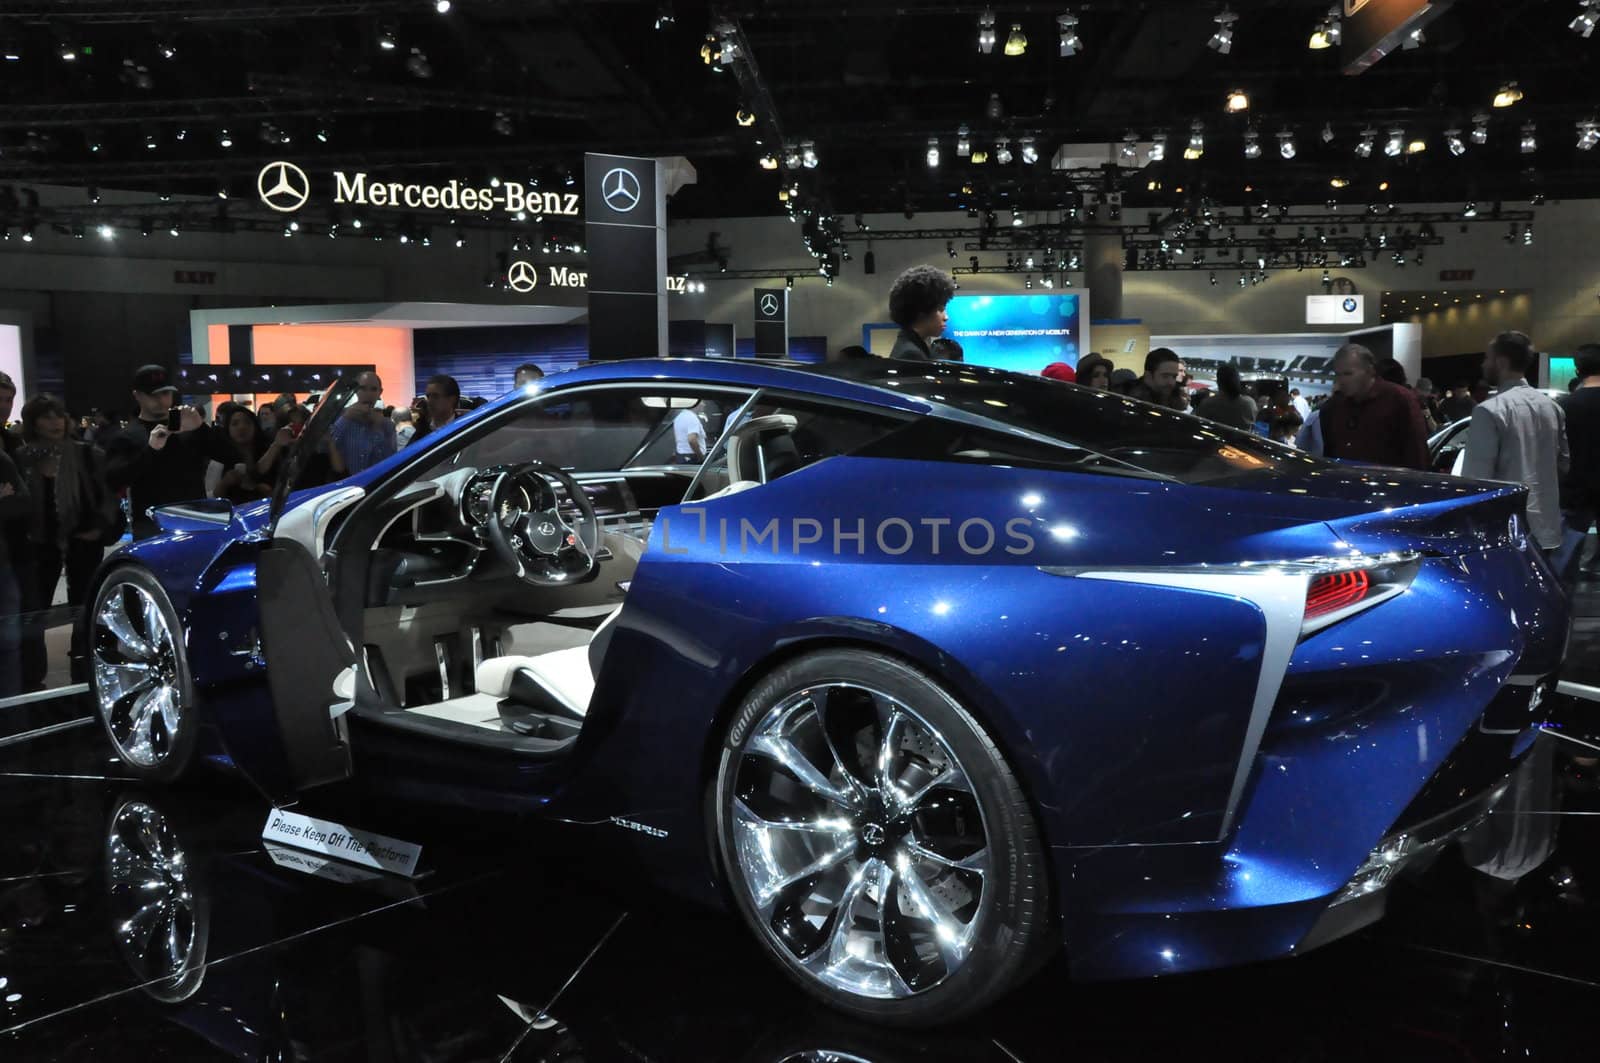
(524, 88)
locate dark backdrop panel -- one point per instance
(102, 337)
(484, 360)
(1449, 370)
(801, 348)
(686, 339)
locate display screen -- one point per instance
(1022, 333)
(1562, 373)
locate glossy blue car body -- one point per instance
(1198, 810)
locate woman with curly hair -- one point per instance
(916, 303)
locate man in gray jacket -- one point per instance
(1519, 435)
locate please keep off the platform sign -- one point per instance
(342, 842)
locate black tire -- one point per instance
(1011, 931)
(177, 752)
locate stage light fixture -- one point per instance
(441, 6)
(996, 110)
(1158, 147)
(769, 162)
(1327, 133)
(1328, 33)
(1588, 135)
(1587, 18)
(1414, 40)
(225, 138)
(1530, 138)
(1252, 144)
(1454, 141)
(1364, 146)
(1030, 151)
(986, 32)
(1480, 128)
(744, 117)
(1238, 101)
(1071, 43)
(1017, 42)
(1197, 142)
(1286, 144)
(417, 65)
(808, 155)
(963, 142)
(933, 152)
(1509, 94)
(106, 232)
(1527, 235)
(1002, 152)
(502, 124)
(1221, 41)
(1416, 146)
(386, 39)
(1130, 145)
(1339, 182)
(1396, 143)
(1016, 217)
(1470, 210)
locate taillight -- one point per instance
(1334, 591)
(1346, 587)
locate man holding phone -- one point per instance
(161, 457)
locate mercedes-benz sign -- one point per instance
(522, 276)
(620, 189)
(769, 305)
(283, 186)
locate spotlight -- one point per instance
(225, 138)
(166, 48)
(222, 190)
(808, 155)
(664, 14)
(1221, 41)
(1130, 145)
(963, 142)
(1587, 19)
(1396, 143)
(744, 118)
(322, 134)
(442, 6)
(1197, 142)
(1327, 133)
(1252, 144)
(1071, 43)
(1527, 235)
(791, 158)
(151, 141)
(996, 110)
(1030, 151)
(66, 46)
(417, 65)
(950, 248)
(933, 152)
(1470, 210)
(1002, 152)
(1328, 32)
(1286, 145)
(1158, 147)
(986, 32)
(1480, 128)
(106, 232)
(1364, 146)
(387, 40)
(769, 162)
(502, 124)
(93, 193)
(1238, 101)
(1339, 182)
(1416, 146)
(1508, 95)
(1588, 135)
(1453, 141)
(1016, 217)
(1413, 40)
(1530, 139)
(1017, 43)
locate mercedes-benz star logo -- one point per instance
(873, 834)
(769, 305)
(620, 189)
(522, 276)
(283, 186)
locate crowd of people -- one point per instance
(72, 488)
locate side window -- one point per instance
(599, 430)
(774, 438)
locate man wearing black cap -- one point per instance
(159, 465)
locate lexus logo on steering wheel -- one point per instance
(547, 528)
(522, 276)
(283, 186)
(769, 305)
(620, 189)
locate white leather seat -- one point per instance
(566, 675)
(732, 489)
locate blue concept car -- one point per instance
(924, 670)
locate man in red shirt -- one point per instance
(1369, 419)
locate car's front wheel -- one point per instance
(877, 842)
(139, 675)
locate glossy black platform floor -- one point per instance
(241, 954)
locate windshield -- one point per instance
(1088, 423)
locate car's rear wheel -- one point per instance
(139, 675)
(877, 842)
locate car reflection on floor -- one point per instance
(155, 925)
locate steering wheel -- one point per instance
(528, 530)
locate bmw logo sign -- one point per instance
(1349, 305)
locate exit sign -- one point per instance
(1457, 274)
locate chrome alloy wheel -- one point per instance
(159, 922)
(860, 841)
(136, 679)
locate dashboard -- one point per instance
(613, 500)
